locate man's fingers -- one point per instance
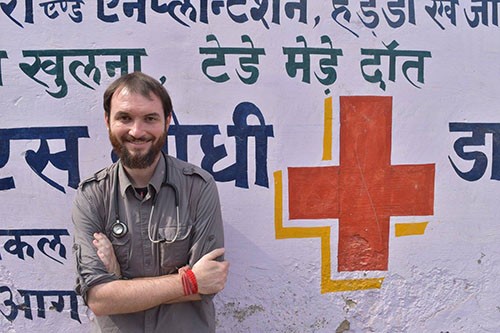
(214, 254)
(102, 257)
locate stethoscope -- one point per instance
(120, 229)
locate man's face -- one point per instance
(137, 128)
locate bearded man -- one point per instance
(148, 234)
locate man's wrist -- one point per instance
(189, 282)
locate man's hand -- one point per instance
(211, 275)
(106, 253)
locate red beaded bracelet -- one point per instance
(192, 280)
(189, 283)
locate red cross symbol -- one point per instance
(365, 190)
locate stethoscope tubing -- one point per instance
(120, 229)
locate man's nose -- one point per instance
(137, 129)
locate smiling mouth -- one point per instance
(137, 143)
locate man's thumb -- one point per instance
(214, 254)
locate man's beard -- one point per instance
(136, 161)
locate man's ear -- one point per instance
(106, 120)
(167, 121)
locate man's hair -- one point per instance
(138, 83)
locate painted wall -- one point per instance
(356, 146)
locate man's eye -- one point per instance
(123, 118)
(151, 119)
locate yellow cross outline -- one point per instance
(327, 284)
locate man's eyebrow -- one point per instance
(121, 113)
(153, 114)
(126, 113)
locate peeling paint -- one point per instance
(243, 313)
(349, 304)
(344, 326)
(319, 324)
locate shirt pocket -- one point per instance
(122, 248)
(174, 255)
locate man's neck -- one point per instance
(141, 177)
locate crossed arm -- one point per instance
(127, 296)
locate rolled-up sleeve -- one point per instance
(87, 220)
(208, 226)
(208, 231)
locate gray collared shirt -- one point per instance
(200, 230)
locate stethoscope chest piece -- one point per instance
(119, 229)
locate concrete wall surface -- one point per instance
(355, 145)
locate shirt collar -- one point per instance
(155, 181)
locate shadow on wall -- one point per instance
(266, 293)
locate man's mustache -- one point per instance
(132, 139)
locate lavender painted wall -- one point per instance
(300, 68)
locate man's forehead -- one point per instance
(127, 91)
(125, 101)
